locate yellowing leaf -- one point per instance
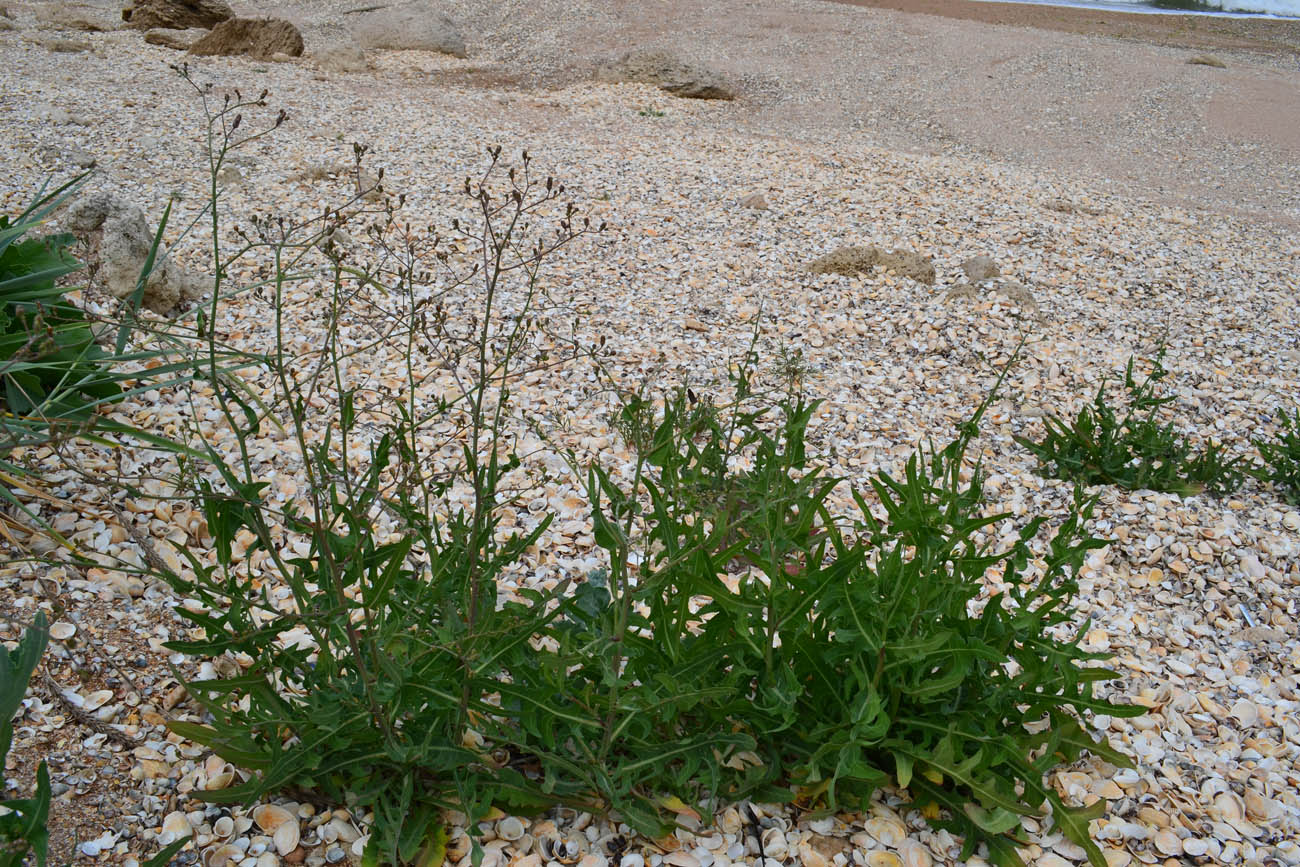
(678, 806)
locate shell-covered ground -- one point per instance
(1196, 597)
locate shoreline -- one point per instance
(1270, 36)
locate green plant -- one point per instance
(60, 367)
(399, 646)
(818, 659)
(1135, 451)
(650, 111)
(22, 823)
(1282, 457)
(51, 368)
(744, 641)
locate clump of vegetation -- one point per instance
(1135, 451)
(1282, 457)
(52, 371)
(747, 639)
(22, 823)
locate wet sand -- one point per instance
(1208, 32)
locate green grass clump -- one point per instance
(22, 825)
(52, 371)
(1282, 458)
(1135, 451)
(745, 642)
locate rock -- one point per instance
(259, 38)
(980, 268)
(119, 239)
(179, 40)
(669, 74)
(1065, 206)
(80, 157)
(417, 26)
(176, 14)
(846, 260)
(76, 16)
(908, 264)
(757, 201)
(1019, 293)
(50, 155)
(960, 292)
(63, 46)
(58, 116)
(340, 57)
(862, 260)
(1207, 60)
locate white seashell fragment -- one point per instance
(97, 699)
(774, 844)
(1261, 808)
(222, 856)
(883, 859)
(346, 832)
(1167, 843)
(285, 837)
(271, 816)
(62, 631)
(223, 827)
(1195, 847)
(914, 854)
(886, 831)
(510, 828)
(1228, 807)
(220, 781)
(1245, 712)
(177, 824)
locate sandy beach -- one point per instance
(1127, 195)
(1207, 32)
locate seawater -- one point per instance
(1234, 8)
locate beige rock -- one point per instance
(669, 73)
(259, 38)
(340, 57)
(119, 239)
(862, 260)
(82, 17)
(979, 268)
(178, 40)
(414, 26)
(176, 14)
